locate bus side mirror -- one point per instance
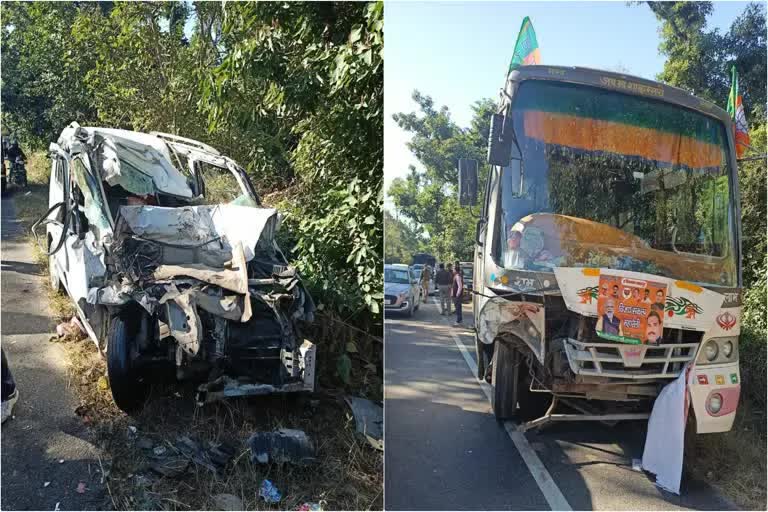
(499, 147)
(467, 182)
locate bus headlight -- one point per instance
(719, 350)
(710, 350)
(715, 403)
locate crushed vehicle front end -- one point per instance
(613, 243)
(180, 267)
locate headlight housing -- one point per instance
(719, 350)
(715, 403)
(711, 350)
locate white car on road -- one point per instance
(402, 291)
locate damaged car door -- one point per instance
(172, 261)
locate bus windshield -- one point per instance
(610, 180)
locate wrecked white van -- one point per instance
(169, 257)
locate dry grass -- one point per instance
(734, 462)
(347, 475)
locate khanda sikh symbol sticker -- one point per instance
(726, 320)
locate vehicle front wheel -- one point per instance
(128, 385)
(511, 386)
(410, 309)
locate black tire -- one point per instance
(505, 380)
(410, 309)
(128, 385)
(479, 357)
(512, 397)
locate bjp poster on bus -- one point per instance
(630, 310)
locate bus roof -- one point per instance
(617, 82)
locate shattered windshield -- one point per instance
(616, 181)
(220, 186)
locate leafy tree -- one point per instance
(429, 197)
(402, 240)
(43, 68)
(700, 60)
(304, 81)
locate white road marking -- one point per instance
(543, 479)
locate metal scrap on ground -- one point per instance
(369, 420)
(281, 446)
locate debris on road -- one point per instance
(228, 502)
(81, 488)
(284, 445)
(169, 466)
(145, 443)
(46, 484)
(214, 458)
(311, 507)
(56, 509)
(369, 420)
(71, 328)
(61, 461)
(269, 492)
(158, 450)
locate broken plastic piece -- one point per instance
(369, 420)
(269, 492)
(284, 445)
(71, 328)
(311, 507)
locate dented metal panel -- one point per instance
(217, 226)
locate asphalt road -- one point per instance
(45, 429)
(446, 451)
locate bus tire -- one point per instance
(505, 380)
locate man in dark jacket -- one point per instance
(444, 280)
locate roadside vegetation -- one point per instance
(427, 217)
(293, 92)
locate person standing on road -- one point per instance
(457, 291)
(9, 392)
(426, 278)
(444, 280)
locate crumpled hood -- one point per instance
(217, 228)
